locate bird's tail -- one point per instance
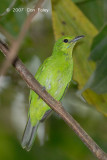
(29, 135)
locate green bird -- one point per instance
(54, 75)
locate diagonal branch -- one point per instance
(17, 43)
(55, 105)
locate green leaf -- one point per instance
(68, 19)
(95, 10)
(99, 46)
(79, 1)
(98, 80)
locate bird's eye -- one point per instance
(65, 40)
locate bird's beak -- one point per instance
(77, 38)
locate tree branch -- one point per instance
(17, 43)
(55, 105)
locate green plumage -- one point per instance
(54, 74)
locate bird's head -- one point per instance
(66, 43)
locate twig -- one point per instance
(9, 8)
(55, 105)
(6, 34)
(17, 43)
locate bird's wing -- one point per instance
(65, 90)
(38, 73)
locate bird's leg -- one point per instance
(43, 88)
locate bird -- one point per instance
(54, 75)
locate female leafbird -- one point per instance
(54, 75)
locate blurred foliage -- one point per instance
(58, 141)
(98, 80)
(12, 21)
(95, 10)
(99, 48)
(68, 20)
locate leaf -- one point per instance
(79, 1)
(68, 19)
(98, 80)
(95, 10)
(99, 45)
